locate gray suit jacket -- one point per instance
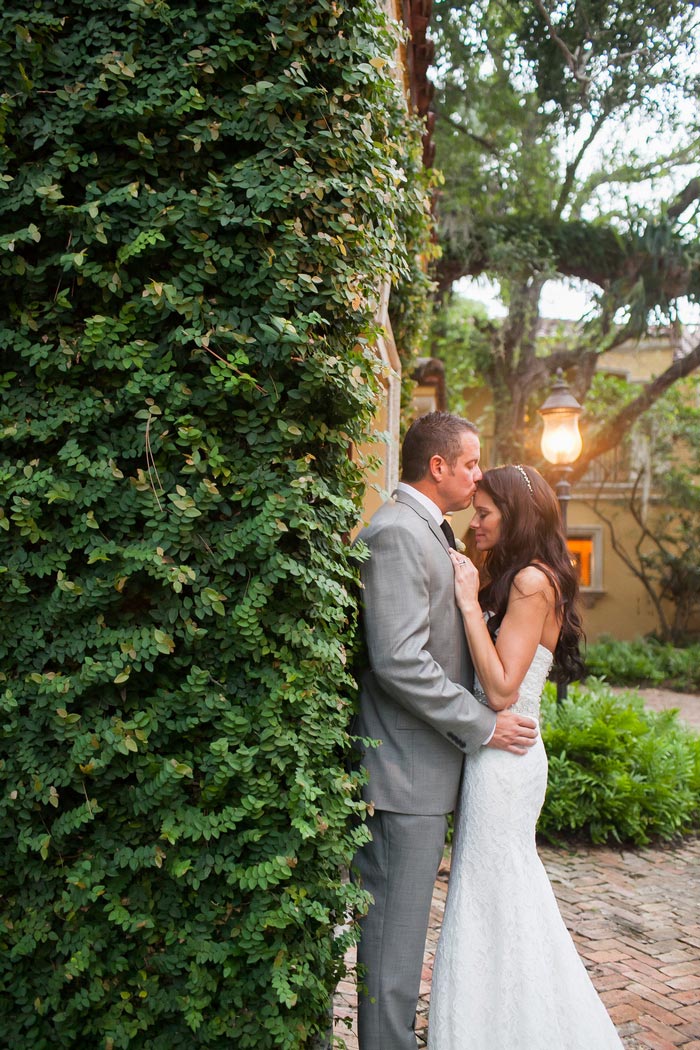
(414, 696)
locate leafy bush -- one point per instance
(644, 661)
(199, 205)
(617, 772)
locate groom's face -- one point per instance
(458, 483)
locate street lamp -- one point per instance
(561, 446)
(561, 442)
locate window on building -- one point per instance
(581, 549)
(586, 546)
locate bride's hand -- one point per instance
(466, 583)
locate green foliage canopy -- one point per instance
(569, 141)
(199, 205)
(548, 117)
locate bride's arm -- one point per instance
(502, 667)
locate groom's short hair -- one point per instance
(435, 434)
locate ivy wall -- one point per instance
(199, 203)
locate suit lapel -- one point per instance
(422, 512)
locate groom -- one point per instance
(414, 698)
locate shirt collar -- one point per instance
(424, 501)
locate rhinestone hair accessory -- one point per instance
(519, 467)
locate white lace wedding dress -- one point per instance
(507, 975)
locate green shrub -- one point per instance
(199, 204)
(617, 772)
(644, 662)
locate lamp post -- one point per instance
(561, 442)
(561, 446)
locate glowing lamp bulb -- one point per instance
(561, 442)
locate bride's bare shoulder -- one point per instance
(533, 580)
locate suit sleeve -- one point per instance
(397, 611)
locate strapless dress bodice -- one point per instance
(530, 692)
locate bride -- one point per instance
(507, 975)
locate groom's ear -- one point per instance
(437, 467)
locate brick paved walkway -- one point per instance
(635, 918)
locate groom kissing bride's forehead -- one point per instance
(417, 700)
(451, 692)
(441, 453)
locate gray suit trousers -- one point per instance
(398, 867)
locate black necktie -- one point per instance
(449, 534)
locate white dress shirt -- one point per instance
(425, 501)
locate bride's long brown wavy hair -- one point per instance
(531, 533)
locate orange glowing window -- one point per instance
(581, 548)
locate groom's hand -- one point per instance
(514, 733)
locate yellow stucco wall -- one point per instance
(618, 604)
(622, 608)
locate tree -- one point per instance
(458, 339)
(540, 110)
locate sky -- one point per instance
(561, 300)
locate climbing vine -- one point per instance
(199, 206)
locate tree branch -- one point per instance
(488, 145)
(684, 199)
(603, 255)
(572, 168)
(571, 59)
(632, 176)
(611, 433)
(636, 567)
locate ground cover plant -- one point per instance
(645, 662)
(618, 773)
(199, 207)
